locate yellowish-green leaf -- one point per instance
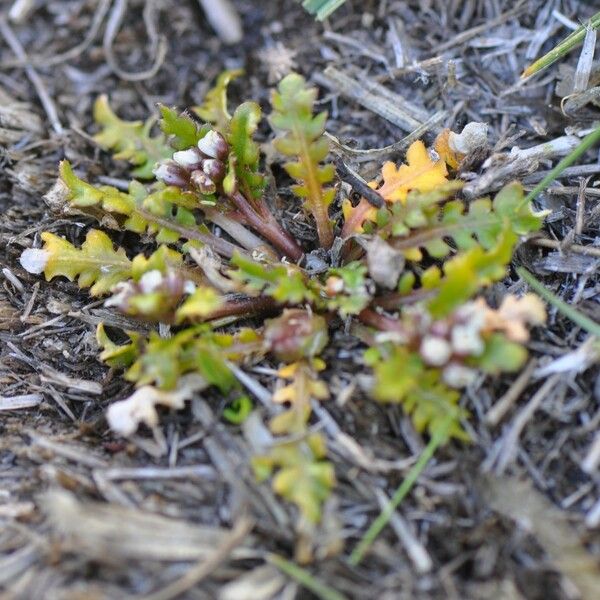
(245, 151)
(303, 476)
(202, 303)
(214, 108)
(96, 263)
(300, 137)
(130, 140)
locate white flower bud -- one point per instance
(171, 173)
(203, 182)
(213, 144)
(150, 281)
(436, 351)
(189, 159)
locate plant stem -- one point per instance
(268, 226)
(382, 322)
(304, 578)
(394, 300)
(572, 313)
(245, 307)
(219, 245)
(560, 50)
(237, 231)
(439, 437)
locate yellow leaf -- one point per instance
(421, 174)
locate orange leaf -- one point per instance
(421, 174)
(442, 147)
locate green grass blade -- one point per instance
(304, 578)
(563, 48)
(440, 437)
(569, 311)
(321, 9)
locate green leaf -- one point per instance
(130, 140)
(301, 138)
(97, 264)
(469, 271)
(142, 211)
(402, 377)
(501, 355)
(239, 410)
(245, 150)
(284, 283)
(424, 223)
(353, 295)
(195, 349)
(214, 108)
(182, 130)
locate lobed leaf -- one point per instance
(422, 223)
(96, 264)
(465, 274)
(300, 137)
(245, 151)
(130, 140)
(302, 475)
(284, 283)
(142, 211)
(401, 376)
(181, 130)
(214, 108)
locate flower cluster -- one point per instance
(155, 296)
(456, 343)
(199, 168)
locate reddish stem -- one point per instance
(244, 307)
(382, 322)
(267, 225)
(219, 245)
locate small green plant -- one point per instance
(405, 281)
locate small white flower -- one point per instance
(466, 340)
(436, 351)
(120, 294)
(161, 171)
(189, 287)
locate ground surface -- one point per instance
(461, 533)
